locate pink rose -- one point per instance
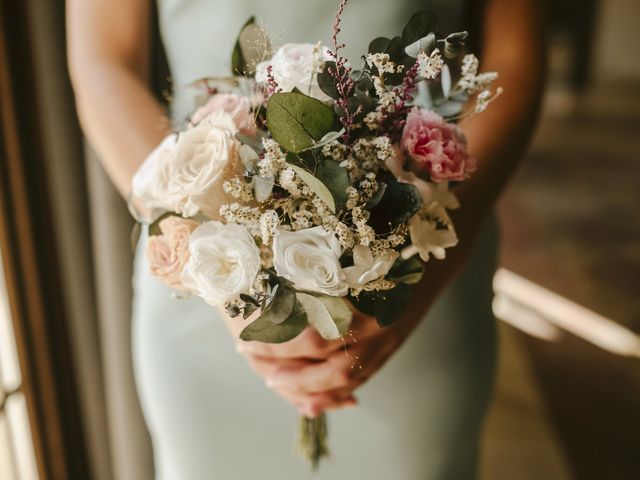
(237, 106)
(436, 147)
(169, 253)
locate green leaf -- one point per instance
(335, 178)
(154, 228)
(262, 187)
(375, 200)
(264, 330)
(399, 203)
(316, 186)
(388, 308)
(425, 44)
(281, 305)
(408, 271)
(296, 121)
(379, 45)
(339, 311)
(318, 316)
(420, 25)
(326, 82)
(136, 231)
(454, 44)
(250, 48)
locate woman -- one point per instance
(209, 416)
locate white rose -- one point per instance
(295, 65)
(149, 184)
(185, 172)
(224, 261)
(367, 268)
(310, 259)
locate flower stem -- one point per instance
(312, 439)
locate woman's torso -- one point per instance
(199, 35)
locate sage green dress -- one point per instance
(209, 415)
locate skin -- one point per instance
(108, 58)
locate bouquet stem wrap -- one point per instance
(311, 443)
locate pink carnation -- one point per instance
(436, 147)
(237, 106)
(168, 253)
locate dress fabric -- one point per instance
(210, 417)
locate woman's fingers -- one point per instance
(337, 372)
(268, 366)
(313, 404)
(309, 344)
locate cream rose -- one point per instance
(184, 174)
(239, 107)
(168, 253)
(295, 65)
(223, 263)
(310, 259)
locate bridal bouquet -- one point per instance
(304, 180)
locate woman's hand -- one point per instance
(316, 375)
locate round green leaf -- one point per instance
(297, 121)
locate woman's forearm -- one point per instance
(121, 118)
(514, 47)
(108, 51)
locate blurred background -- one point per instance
(567, 400)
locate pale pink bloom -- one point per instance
(168, 253)
(436, 147)
(237, 106)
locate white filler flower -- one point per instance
(310, 260)
(224, 262)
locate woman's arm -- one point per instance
(108, 49)
(513, 45)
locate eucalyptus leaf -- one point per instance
(454, 44)
(395, 49)
(409, 271)
(281, 305)
(154, 228)
(399, 203)
(326, 81)
(318, 316)
(328, 138)
(262, 187)
(445, 81)
(250, 48)
(264, 330)
(335, 178)
(136, 231)
(420, 25)
(379, 45)
(339, 311)
(375, 200)
(425, 44)
(449, 109)
(316, 186)
(393, 303)
(297, 121)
